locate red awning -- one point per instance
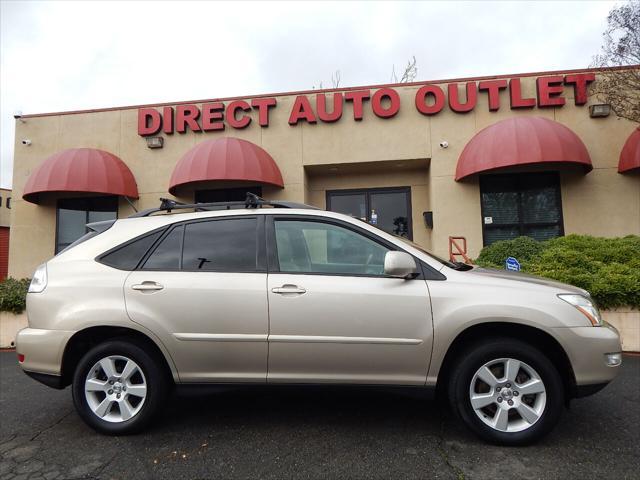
(227, 159)
(81, 170)
(630, 155)
(522, 141)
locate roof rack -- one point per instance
(252, 201)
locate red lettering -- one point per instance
(550, 90)
(149, 121)
(515, 95)
(357, 97)
(438, 100)
(167, 120)
(263, 105)
(454, 101)
(187, 115)
(212, 114)
(580, 82)
(394, 103)
(301, 111)
(232, 120)
(493, 88)
(321, 107)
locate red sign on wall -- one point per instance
(385, 102)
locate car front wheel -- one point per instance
(118, 388)
(507, 392)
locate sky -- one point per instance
(57, 56)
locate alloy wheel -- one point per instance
(115, 388)
(508, 395)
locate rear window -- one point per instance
(93, 229)
(129, 255)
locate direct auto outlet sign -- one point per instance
(430, 99)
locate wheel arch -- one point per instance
(82, 341)
(531, 335)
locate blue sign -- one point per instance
(512, 264)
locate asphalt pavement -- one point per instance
(304, 432)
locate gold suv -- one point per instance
(289, 294)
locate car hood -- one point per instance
(526, 278)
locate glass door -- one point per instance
(387, 208)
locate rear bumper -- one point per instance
(42, 350)
(587, 349)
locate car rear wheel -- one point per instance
(118, 387)
(507, 392)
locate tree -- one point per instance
(409, 74)
(621, 88)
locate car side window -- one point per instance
(318, 247)
(128, 256)
(166, 256)
(228, 245)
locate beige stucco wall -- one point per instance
(10, 325)
(602, 202)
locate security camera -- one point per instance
(26, 142)
(17, 114)
(444, 144)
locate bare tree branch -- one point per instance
(620, 88)
(410, 71)
(335, 79)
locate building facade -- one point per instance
(480, 158)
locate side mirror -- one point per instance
(400, 265)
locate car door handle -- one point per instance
(147, 287)
(288, 289)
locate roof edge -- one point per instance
(330, 90)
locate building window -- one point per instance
(73, 214)
(9, 202)
(226, 195)
(387, 208)
(525, 204)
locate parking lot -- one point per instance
(308, 433)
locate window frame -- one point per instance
(85, 199)
(260, 245)
(425, 271)
(519, 180)
(367, 192)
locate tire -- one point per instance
(126, 405)
(529, 416)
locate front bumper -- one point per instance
(587, 349)
(42, 350)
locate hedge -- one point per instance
(13, 295)
(609, 268)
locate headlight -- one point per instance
(586, 307)
(39, 280)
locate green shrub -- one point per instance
(13, 295)
(522, 248)
(609, 268)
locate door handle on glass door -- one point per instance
(288, 289)
(147, 287)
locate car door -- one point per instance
(334, 316)
(202, 289)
